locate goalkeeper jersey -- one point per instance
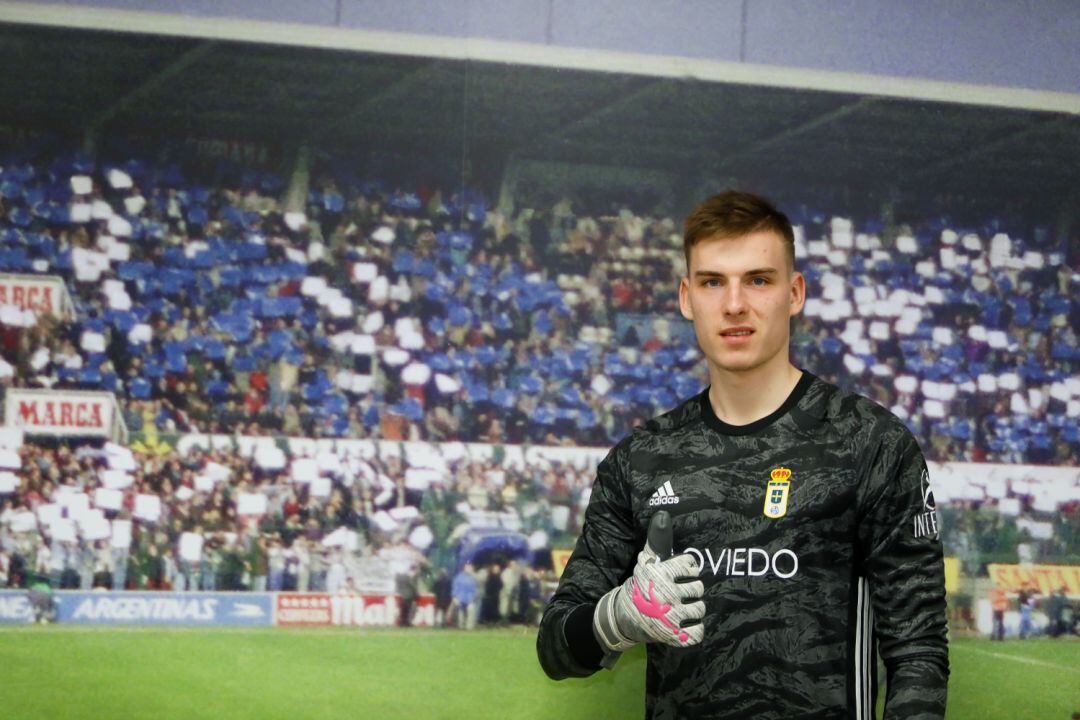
(817, 538)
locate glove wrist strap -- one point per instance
(606, 628)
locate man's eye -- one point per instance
(763, 281)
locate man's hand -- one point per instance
(655, 602)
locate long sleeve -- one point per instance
(603, 558)
(902, 560)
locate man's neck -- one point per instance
(740, 398)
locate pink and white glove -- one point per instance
(661, 602)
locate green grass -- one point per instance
(1035, 679)
(80, 672)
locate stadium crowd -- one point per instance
(392, 314)
(365, 529)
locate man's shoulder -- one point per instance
(685, 413)
(865, 423)
(853, 414)
(659, 433)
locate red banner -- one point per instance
(350, 610)
(302, 609)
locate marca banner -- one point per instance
(163, 608)
(64, 412)
(1044, 578)
(38, 293)
(350, 610)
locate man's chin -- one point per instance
(730, 364)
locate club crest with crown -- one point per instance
(776, 492)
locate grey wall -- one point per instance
(1029, 44)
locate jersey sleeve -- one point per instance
(901, 557)
(602, 559)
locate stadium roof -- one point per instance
(70, 80)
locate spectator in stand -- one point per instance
(489, 602)
(1026, 601)
(465, 606)
(231, 571)
(999, 603)
(259, 563)
(441, 589)
(153, 569)
(103, 574)
(405, 586)
(529, 602)
(276, 565)
(509, 599)
(1056, 605)
(209, 565)
(336, 576)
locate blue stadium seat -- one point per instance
(476, 392)
(134, 270)
(214, 350)
(89, 377)
(217, 389)
(339, 425)
(438, 362)
(410, 408)
(11, 188)
(459, 316)
(543, 415)
(531, 385)
(121, 320)
(569, 395)
(244, 362)
(504, 398)
(139, 388)
(542, 323)
(312, 392)
(153, 369)
(333, 202)
(335, 404)
(20, 216)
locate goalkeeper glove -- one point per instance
(654, 604)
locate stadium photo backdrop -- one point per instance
(309, 358)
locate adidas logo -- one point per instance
(664, 495)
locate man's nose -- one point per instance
(734, 300)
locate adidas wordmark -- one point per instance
(664, 495)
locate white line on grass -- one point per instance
(1020, 659)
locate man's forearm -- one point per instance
(917, 687)
(566, 645)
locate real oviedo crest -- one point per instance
(776, 493)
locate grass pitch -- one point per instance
(81, 672)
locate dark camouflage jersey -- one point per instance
(818, 539)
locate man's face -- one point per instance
(739, 284)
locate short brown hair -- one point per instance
(733, 214)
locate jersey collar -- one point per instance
(760, 424)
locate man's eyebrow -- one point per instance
(755, 271)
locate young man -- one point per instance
(801, 513)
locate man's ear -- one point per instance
(684, 299)
(798, 293)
